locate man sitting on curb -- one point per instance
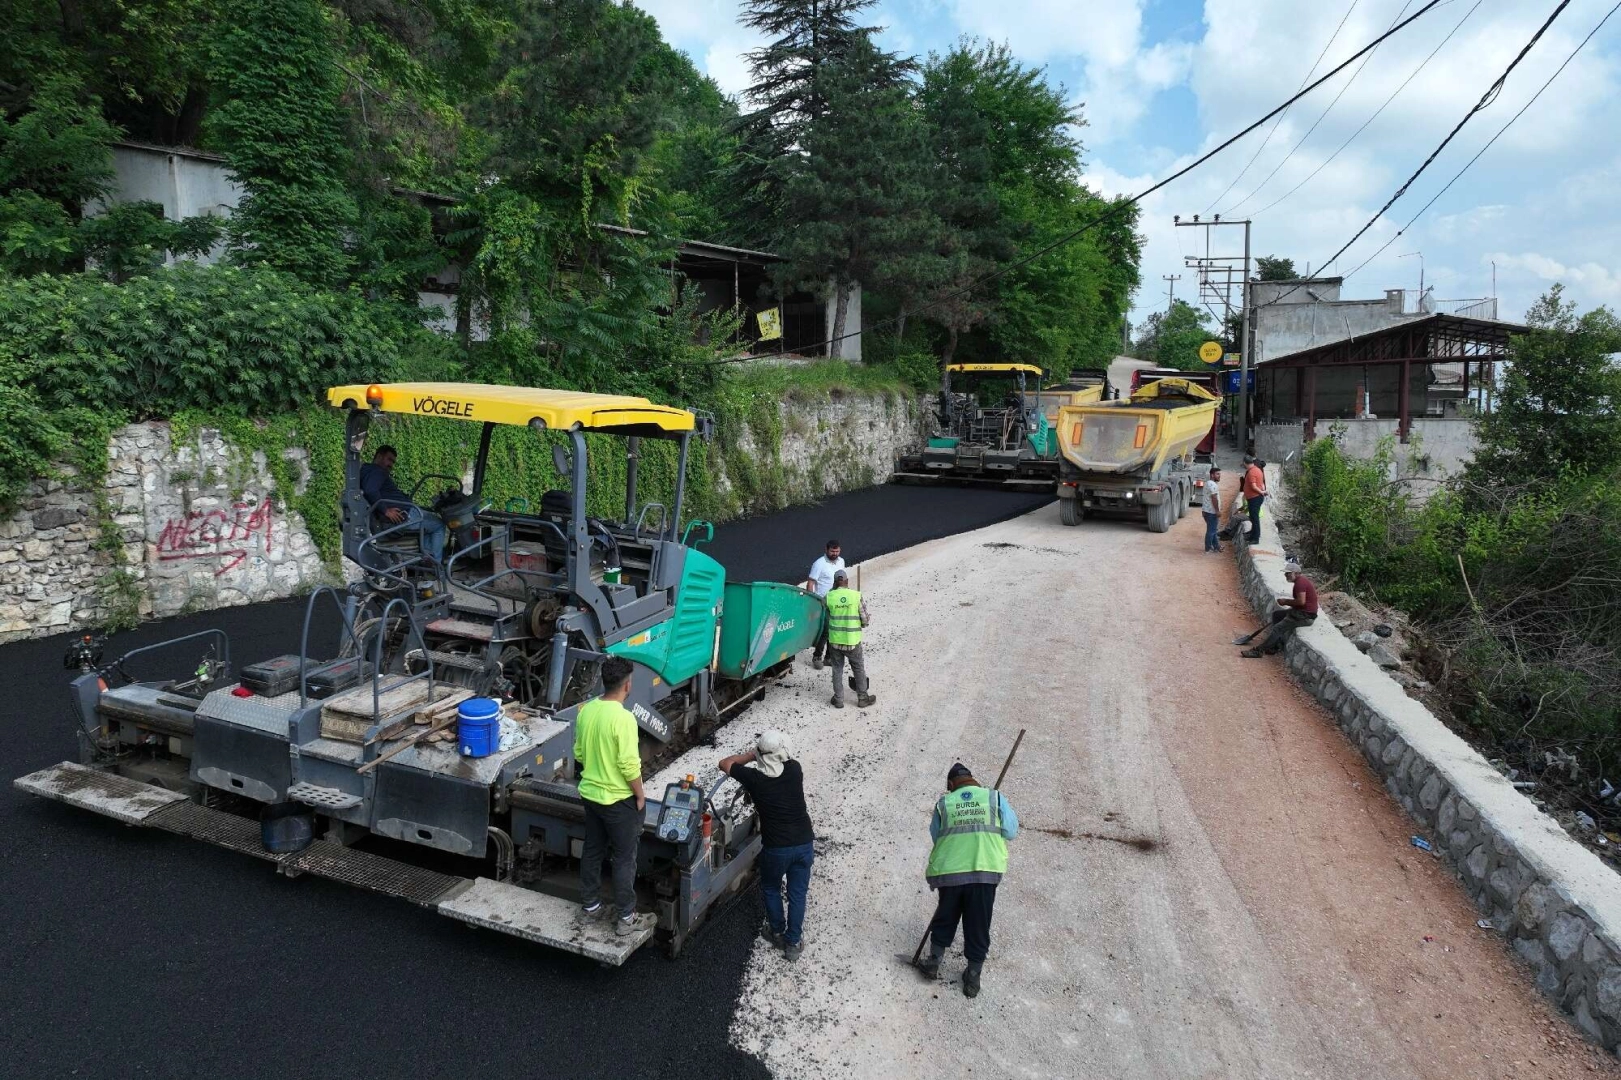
(1293, 612)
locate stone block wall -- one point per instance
(834, 442)
(190, 527)
(1556, 903)
(196, 526)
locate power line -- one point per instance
(1315, 124)
(1394, 94)
(1330, 44)
(1120, 205)
(1486, 99)
(1466, 166)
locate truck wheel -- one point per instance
(1161, 516)
(1181, 501)
(1070, 511)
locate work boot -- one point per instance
(632, 924)
(816, 663)
(791, 952)
(836, 703)
(776, 938)
(863, 700)
(929, 964)
(598, 912)
(1251, 654)
(970, 980)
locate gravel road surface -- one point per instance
(130, 953)
(1209, 882)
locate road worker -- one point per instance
(610, 777)
(820, 582)
(846, 615)
(971, 828)
(1293, 611)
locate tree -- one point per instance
(860, 197)
(1275, 268)
(1557, 411)
(1172, 338)
(278, 124)
(804, 37)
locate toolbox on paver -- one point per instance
(340, 675)
(273, 677)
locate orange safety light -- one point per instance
(374, 396)
(1142, 437)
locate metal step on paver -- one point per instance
(459, 661)
(539, 917)
(376, 873)
(126, 800)
(322, 798)
(215, 826)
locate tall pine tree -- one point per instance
(859, 198)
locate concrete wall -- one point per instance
(1437, 448)
(1553, 901)
(185, 184)
(1289, 327)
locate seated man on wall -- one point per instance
(394, 507)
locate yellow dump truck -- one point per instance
(1132, 454)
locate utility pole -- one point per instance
(1170, 293)
(1220, 277)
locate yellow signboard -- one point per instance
(770, 321)
(1210, 352)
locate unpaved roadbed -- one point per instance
(1208, 884)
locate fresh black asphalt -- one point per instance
(132, 953)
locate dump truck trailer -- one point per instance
(1132, 456)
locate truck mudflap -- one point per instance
(482, 902)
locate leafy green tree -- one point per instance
(1557, 407)
(278, 123)
(860, 198)
(1275, 268)
(1172, 338)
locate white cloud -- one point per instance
(1040, 30)
(1597, 281)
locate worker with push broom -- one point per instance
(971, 828)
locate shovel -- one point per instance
(912, 961)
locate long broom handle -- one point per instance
(999, 778)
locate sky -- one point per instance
(1161, 82)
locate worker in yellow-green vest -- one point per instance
(970, 828)
(846, 615)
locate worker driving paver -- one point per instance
(970, 828)
(394, 506)
(777, 786)
(820, 582)
(846, 616)
(1294, 611)
(610, 770)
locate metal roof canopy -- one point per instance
(1434, 339)
(559, 410)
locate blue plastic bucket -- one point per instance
(478, 726)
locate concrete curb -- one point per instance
(1555, 901)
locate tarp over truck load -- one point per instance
(1158, 423)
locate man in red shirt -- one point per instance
(1293, 612)
(1254, 495)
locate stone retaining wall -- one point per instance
(1557, 904)
(191, 526)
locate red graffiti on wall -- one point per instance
(223, 534)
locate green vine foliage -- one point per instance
(278, 123)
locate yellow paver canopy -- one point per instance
(557, 409)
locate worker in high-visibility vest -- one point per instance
(970, 828)
(846, 615)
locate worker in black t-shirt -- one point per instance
(777, 786)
